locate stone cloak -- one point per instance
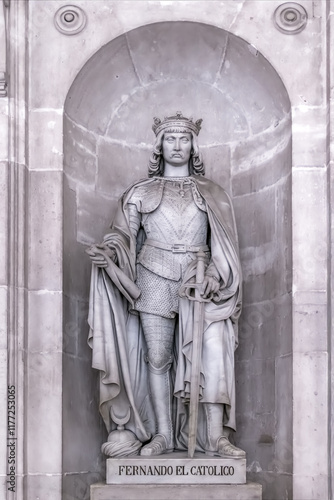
(117, 339)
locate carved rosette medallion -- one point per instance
(290, 18)
(70, 20)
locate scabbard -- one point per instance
(196, 356)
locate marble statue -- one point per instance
(164, 304)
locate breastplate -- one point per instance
(178, 218)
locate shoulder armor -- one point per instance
(147, 197)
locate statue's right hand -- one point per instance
(97, 256)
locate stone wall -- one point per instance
(52, 151)
(262, 200)
(245, 139)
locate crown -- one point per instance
(176, 121)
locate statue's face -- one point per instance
(176, 148)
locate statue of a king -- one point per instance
(143, 314)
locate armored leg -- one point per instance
(159, 336)
(217, 441)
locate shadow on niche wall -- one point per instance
(206, 73)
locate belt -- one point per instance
(176, 247)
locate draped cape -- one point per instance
(116, 337)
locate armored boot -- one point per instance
(159, 334)
(217, 442)
(163, 441)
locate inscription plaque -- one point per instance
(176, 468)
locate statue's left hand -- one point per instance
(209, 285)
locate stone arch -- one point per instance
(207, 73)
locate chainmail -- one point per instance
(158, 295)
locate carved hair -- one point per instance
(156, 163)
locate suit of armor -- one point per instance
(173, 216)
(175, 230)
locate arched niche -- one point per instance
(208, 73)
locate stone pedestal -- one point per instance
(248, 491)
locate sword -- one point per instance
(196, 355)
